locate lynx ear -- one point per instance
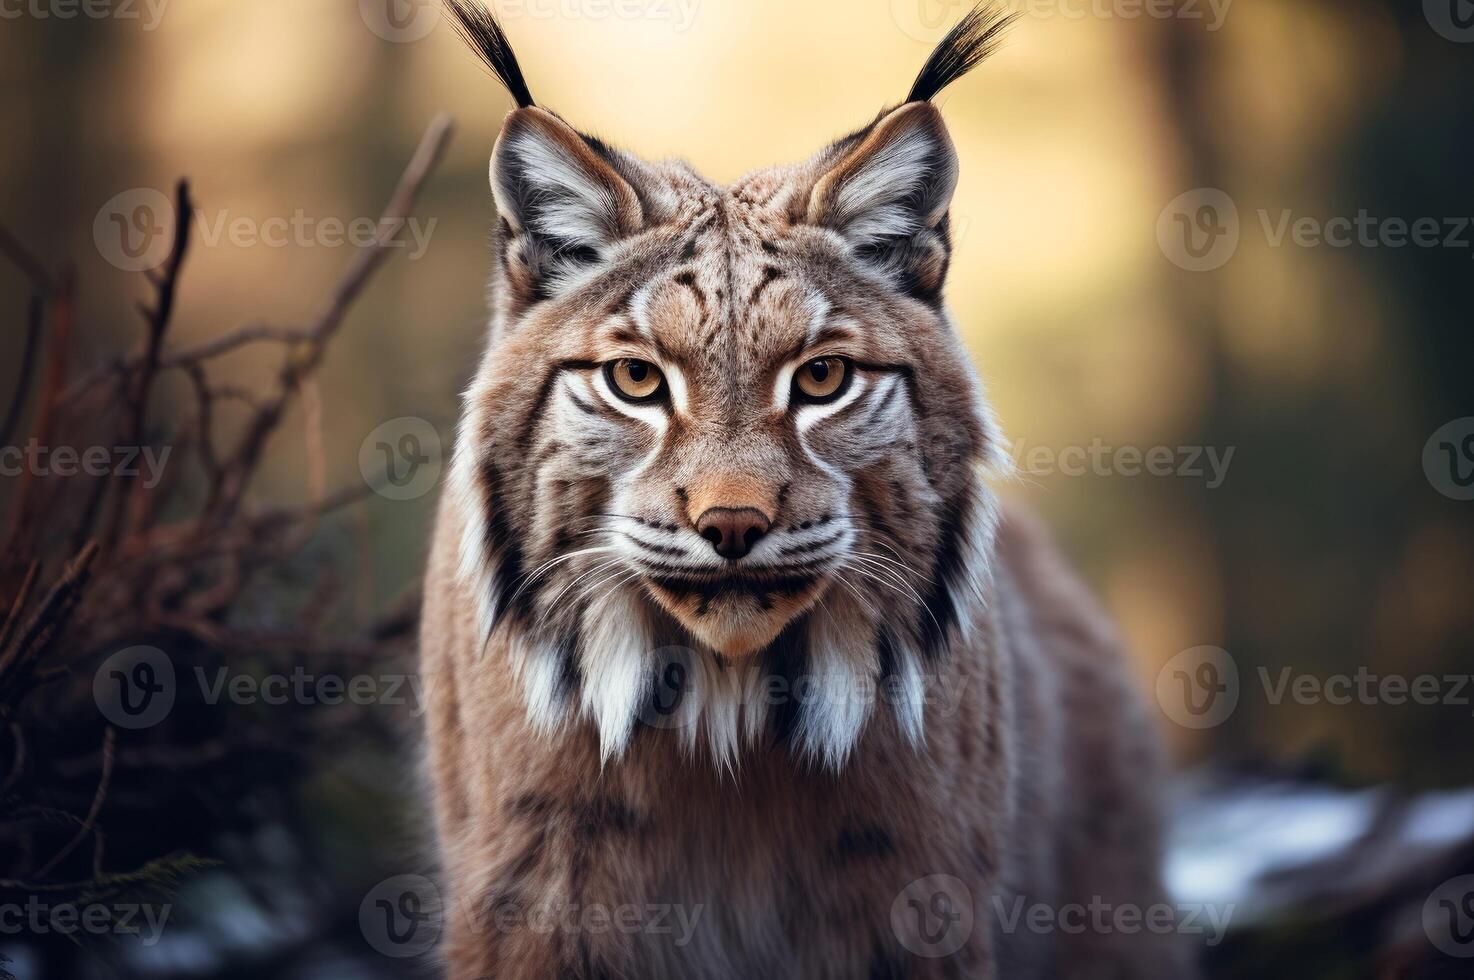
(888, 196)
(887, 187)
(564, 205)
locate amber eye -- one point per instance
(635, 380)
(822, 380)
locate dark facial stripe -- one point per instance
(908, 377)
(502, 545)
(588, 408)
(803, 549)
(878, 407)
(885, 649)
(535, 414)
(788, 659)
(687, 278)
(946, 571)
(771, 274)
(570, 674)
(658, 549)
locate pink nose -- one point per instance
(732, 531)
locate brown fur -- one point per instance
(562, 601)
(1037, 786)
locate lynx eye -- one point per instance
(821, 380)
(635, 380)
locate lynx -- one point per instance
(737, 666)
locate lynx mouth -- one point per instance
(709, 590)
(736, 612)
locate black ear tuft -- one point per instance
(974, 38)
(478, 27)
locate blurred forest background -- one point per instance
(1325, 545)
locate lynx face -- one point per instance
(724, 436)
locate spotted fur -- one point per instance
(622, 714)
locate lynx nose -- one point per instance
(732, 531)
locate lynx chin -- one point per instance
(722, 615)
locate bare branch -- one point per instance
(368, 259)
(158, 324)
(91, 820)
(48, 619)
(20, 543)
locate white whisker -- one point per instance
(553, 602)
(547, 566)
